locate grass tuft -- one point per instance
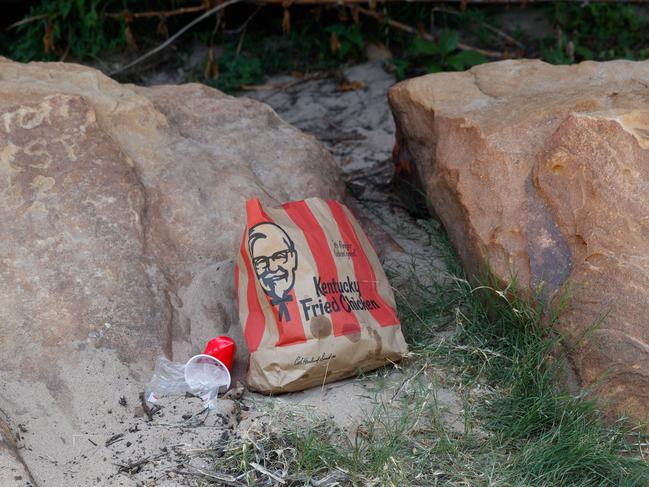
(509, 342)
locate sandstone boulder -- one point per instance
(121, 209)
(542, 172)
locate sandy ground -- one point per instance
(122, 445)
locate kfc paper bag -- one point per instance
(313, 299)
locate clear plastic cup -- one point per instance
(205, 374)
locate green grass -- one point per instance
(518, 426)
(508, 343)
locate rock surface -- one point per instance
(121, 209)
(543, 171)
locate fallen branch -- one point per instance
(411, 30)
(172, 39)
(127, 14)
(243, 26)
(28, 20)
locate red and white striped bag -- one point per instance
(314, 302)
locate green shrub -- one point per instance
(595, 31)
(65, 27)
(444, 55)
(236, 70)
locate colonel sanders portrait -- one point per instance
(274, 257)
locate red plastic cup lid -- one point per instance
(222, 348)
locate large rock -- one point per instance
(542, 172)
(121, 209)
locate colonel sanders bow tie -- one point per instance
(283, 308)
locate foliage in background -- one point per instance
(443, 55)
(596, 31)
(316, 38)
(346, 40)
(63, 27)
(321, 38)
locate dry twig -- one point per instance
(135, 466)
(114, 439)
(245, 23)
(266, 472)
(412, 377)
(161, 14)
(406, 28)
(28, 20)
(172, 39)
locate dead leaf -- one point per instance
(421, 29)
(211, 67)
(355, 16)
(363, 432)
(403, 162)
(334, 43)
(351, 86)
(130, 38)
(162, 27)
(48, 38)
(286, 21)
